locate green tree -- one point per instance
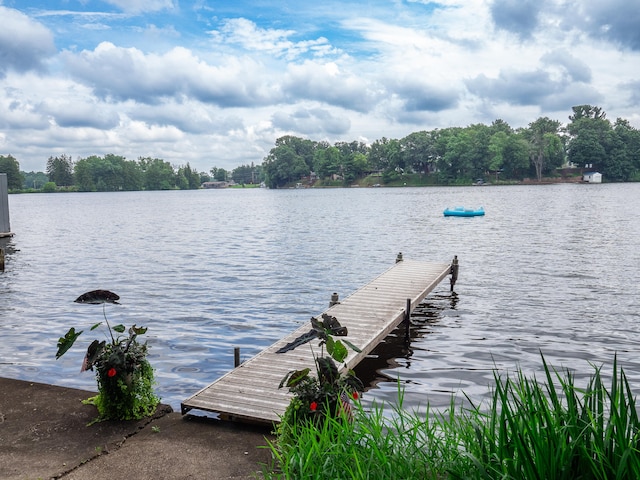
(245, 174)
(187, 178)
(132, 175)
(385, 155)
(219, 174)
(327, 161)
(480, 154)
(497, 146)
(545, 146)
(419, 151)
(10, 166)
(515, 156)
(34, 180)
(60, 170)
(83, 175)
(591, 137)
(623, 161)
(287, 161)
(458, 160)
(49, 187)
(500, 125)
(352, 160)
(158, 174)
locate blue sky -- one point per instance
(214, 83)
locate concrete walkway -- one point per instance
(44, 435)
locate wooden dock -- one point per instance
(249, 392)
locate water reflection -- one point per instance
(397, 350)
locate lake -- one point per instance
(550, 268)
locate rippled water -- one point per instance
(551, 269)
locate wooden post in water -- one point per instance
(236, 356)
(407, 321)
(454, 271)
(1, 260)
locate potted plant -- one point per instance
(328, 392)
(124, 375)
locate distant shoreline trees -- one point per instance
(459, 155)
(448, 156)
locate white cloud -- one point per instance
(24, 43)
(276, 42)
(218, 85)
(327, 82)
(128, 73)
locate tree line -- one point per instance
(115, 173)
(459, 155)
(448, 156)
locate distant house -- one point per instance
(592, 177)
(215, 184)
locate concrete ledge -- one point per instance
(44, 434)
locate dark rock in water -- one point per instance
(96, 297)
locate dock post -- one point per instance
(1, 260)
(5, 228)
(335, 299)
(236, 356)
(407, 321)
(454, 271)
(399, 257)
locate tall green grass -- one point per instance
(529, 430)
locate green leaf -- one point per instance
(331, 343)
(95, 326)
(66, 342)
(138, 330)
(352, 346)
(119, 328)
(296, 377)
(339, 351)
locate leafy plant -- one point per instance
(124, 375)
(328, 393)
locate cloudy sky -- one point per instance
(215, 82)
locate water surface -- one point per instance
(551, 269)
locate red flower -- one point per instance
(112, 372)
(355, 395)
(313, 406)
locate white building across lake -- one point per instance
(592, 177)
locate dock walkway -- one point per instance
(250, 393)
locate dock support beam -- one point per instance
(454, 271)
(1, 260)
(236, 356)
(407, 321)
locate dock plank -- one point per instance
(250, 393)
